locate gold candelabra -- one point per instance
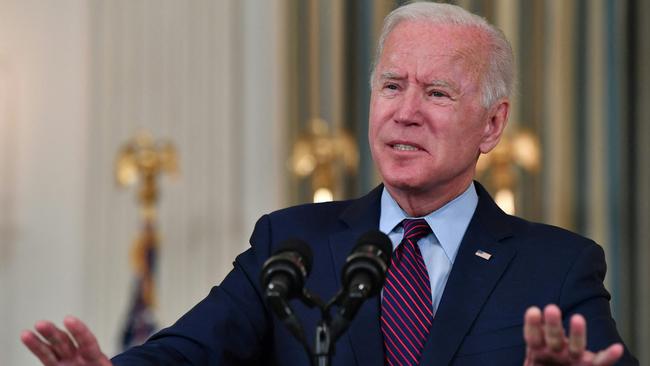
(516, 150)
(319, 154)
(143, 160)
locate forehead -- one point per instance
(424, 48)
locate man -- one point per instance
(463, 273)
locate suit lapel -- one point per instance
(470, 282)
(364, 332)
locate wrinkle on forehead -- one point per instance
(452, 71)
(454, 50)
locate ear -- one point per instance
(495, 124)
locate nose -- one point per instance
(409, 109)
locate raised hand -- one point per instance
(548, 344)
(55, 347)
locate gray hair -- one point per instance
(499, 78)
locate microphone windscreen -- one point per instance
(299, 246)
(379, 240)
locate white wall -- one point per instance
(43, 60)
(77, 79)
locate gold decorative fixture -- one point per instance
(321, 155)
(516, 150)
(143, 160)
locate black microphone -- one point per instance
(365, 268)
(283, 277)
(363, 276)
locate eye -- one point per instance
(391, 86)
(438, 94)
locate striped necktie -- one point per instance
(406, 308)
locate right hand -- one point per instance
(548, 344)
(55, 347)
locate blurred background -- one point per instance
(265, 103)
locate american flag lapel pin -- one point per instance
(482, 254)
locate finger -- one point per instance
(554, 335)
(533, 332)
(609, 356)
(577, 336)
(39, 348)
(60, 342)
(87, 344)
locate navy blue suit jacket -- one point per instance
(479, 320)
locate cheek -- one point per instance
(375, 121)
(380, 105)
(372, 131)
(464, 146)
(374, 110)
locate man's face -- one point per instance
(427, 124)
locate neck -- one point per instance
(421, 203)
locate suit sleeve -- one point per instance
(583, 292)
(228, 327)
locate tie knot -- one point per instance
(415, 229)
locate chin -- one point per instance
(404, 183)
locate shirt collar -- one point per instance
(448, 223)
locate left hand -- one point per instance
(548, 344)
(56, 347)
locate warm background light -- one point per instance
(323, 195)
(506, 200)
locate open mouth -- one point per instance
(404, 147)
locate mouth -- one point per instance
(404, 147)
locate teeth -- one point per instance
(403, 147)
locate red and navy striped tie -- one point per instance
(406, 308)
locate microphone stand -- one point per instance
(323, 346)
(323, 342)
(325, 338)
(330, 329)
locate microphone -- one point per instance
(363, 276)
(283, 277)
(365, 267)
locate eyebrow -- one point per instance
(442, 83)
(391, 75)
